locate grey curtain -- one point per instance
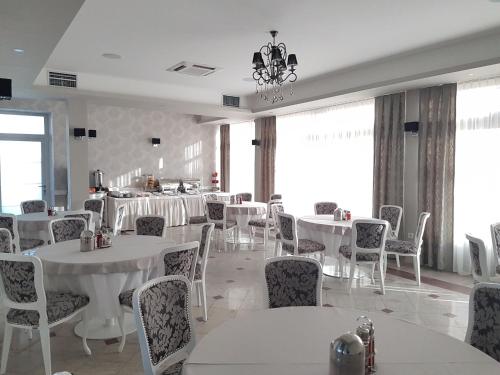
(224, 157)
(388, 165)
(436, 168)
(267, 156)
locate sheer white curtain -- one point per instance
(477, 183)
(242, 156)
(326, 154)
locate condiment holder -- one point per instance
(87, 241)
(347, 355)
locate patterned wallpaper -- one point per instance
(124, 152)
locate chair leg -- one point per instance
(373, 273)
(322, 258)
(416, 265)
(204, 299)
(85, 319)
(397, 261)
(45, 341)
(266, 236)
(351, 275)
(382, 286)
(121, 323)
(198, 293)
(224, 240)
(7, 338)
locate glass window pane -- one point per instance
(21, 124)
(242, 156)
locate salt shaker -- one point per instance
(367, 324)
(347, 355)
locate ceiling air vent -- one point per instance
(192, 69)
(62, 79)
(230, 101)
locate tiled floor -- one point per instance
(235, 288)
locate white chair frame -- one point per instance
(269, 223)
(41, 307)
(32, 200)
(495, 244)
(52, 238)
(200, 284)
(101, 214)
(355, 249)
(472, 316)
(483, 262)
(393, 234)
(319, 284)
(118, 224)
(277, 241)
(224, 229)
(173, 249)
(15, 241)
(163, 233)
(179, 355)
(419, 239)
(90, 224)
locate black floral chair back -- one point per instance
(85, 215)
(293, 281)
(478, 258)
(33, 206)
(245, 197)
(150, 226)
(419, 236)
(288, 232)
(5, 241)
(96, 206)
(181, 260)
(325, 208)
(216, 211)
(393, 215)
(162, 310)
(9, 222)
(67, 229)
(484, 319)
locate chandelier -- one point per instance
(270, 75)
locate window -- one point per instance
(326, 154)
(477, 185)
(242, 158)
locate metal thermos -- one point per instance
(87, 241)
(98, 178)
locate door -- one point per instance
(23, 160)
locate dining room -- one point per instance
(249, 188)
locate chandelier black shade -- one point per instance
(273, 68)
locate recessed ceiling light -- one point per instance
(112, 56)
(19, 51)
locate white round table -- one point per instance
(296, 340)
(244, 212)
(102, 275)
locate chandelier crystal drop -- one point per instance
(273, 68)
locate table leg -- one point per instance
(102, 329)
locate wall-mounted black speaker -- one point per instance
(5, 89)
(155, 141)
(79, 132)
(92, 133)
(411, 127)
(255, 142)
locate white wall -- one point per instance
(123, 147)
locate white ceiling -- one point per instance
(326, 35)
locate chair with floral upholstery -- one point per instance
(177, 260)
(30, 307)
(245, 197)
(409, 248)
(294, 245)
(201, 265)
(367, 247)
(275, 208)
(216, 213)
(393, 215)
(118, 224)
(484, 319)
(151, 225)
(33, 206)
(66, 229)
(162, 311)
(86, 215)
(266, 223)
(275, 197)
(479, 260)
(325, 208)
(5, 241)
(495, 240)
(96, 206)
(293, 281)
(9, 222)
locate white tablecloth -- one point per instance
(104, 273)
(194, 205)
(245, 212)
(295, 341)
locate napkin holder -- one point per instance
(87, 241)
(338, 214)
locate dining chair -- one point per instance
(86, 215)
(19, 244)
(5, 241)
(484, 319)
(479, 260)
(97, 206)
(66, 229)
(217, 214)
(30, 307)
(151, 225)
(393, 215)
(275, 197)
(266, 223)
(195, 219)
(275, 208)
(176, 260)
(201, 265)
(118, 224)
(367, 247)
(162, 311)
(293, 281)
(33, 206)
(325, 208)
(409, 248)
(245, 197)
(495, 240)
(294, 245)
